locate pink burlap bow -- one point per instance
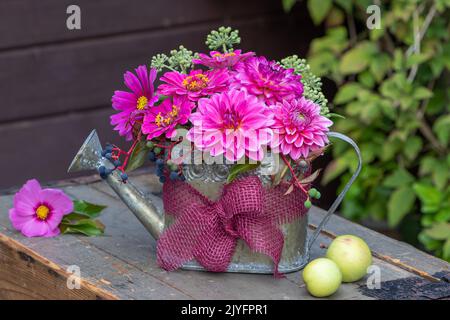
(208, 231)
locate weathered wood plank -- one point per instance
(100, 270)
(27, 275)
(388, 249)
(396, 252)
(83, 75)
(123, 261)
(45, 21)
(228, 286)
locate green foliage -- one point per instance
(82, 219)
(312, 85)
(223, 39)
(241, 168)
(138, 156)
(177, 60)
(393, 90)
(288, 4)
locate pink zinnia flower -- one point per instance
(217, 60)
(165, 117)
(299, 128)
(195, 85)
(233, 123)
(268, 80)
(38, 212)
(132, 105)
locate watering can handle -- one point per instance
(339, 198)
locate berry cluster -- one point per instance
(164, 168)
(312, 193)
(113, 154)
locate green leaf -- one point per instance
(400, 177)
(398, 62)
(72, 217)
(347, 93)
(138, 157)
(288, 4)
(379, 66)
(443, 215)
(422, 93)
(400, 203)
(426, 165)
(446, 250)
(429, 243)
(86, 227)
(357, 59)
(345, 4)
(442, 129)
(88, 209)
(241, 168)
(439, 231)
(440, 174)
(429, 196)
(319, 9)
(367, 79)
(334, 169)
(336, 17)
(417, 58)
(412, 147)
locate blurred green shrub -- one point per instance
(393, 89)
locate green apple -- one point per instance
(322, 277)
(352, 255)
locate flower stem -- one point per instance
(294, 176)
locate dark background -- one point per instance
(56, 84)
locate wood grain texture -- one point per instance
(393, 251)
(44, 21)
(123, 261)
(82, 75)
(27, 275)
(44, 149)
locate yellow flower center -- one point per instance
(224, 55)
(163, 121)
(196, 82)
(141, 103)
(42, 212)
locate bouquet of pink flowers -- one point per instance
(228, 104)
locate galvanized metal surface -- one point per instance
(209, 180)
(89, 158)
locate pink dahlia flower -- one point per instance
(38, 212)
(132, 105)
(165, 117)
(299, 128)
(232, 123)
(268, 80)
(195, 85)
(217, 60)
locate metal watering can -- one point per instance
(209, 180)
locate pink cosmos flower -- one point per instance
(232, 123)
(38, 212)
(196, 84)
(299, 128)
(267, 80)
(165, 117)
(132, 105)
(217, 60)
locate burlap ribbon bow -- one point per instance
(208, 231)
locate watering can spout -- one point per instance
(89, 157)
